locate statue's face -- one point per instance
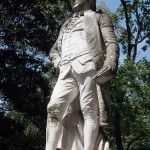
(78, 5)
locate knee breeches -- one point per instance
(66, 90)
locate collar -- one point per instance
(78, 14)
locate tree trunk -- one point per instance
(118, 132)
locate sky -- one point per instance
(112, 5)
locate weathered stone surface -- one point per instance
(79, 108)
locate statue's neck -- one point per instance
(82, 8)
(82, 11)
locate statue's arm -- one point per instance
(55, 51)
(109, 38)
(55, 55)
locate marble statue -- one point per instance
(79, 108)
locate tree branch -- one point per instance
(142, 39)
(139, 29)
(133, 140)
(135, 52)
(128, 28)
(138, 22)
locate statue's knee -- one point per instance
(53, 112)
(51, 108)
(90, 114)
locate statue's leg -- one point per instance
(72, 131)
(101, 143)
(89, 107)
(64, 93)
(68, 138)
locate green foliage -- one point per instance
(130, 91)
(130, 98)
(31, 24)
(28, 29)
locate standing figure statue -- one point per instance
(79, 108)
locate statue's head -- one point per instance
(81, 5)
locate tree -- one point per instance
(130, 90)
(130, 95)
(136, 16)
(28, 30)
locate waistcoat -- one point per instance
(93, 37)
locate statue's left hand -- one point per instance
(111, 65)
